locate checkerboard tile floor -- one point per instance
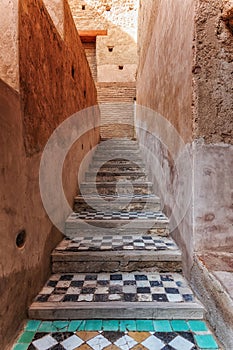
(122, 195)
(118, 242)
(116, 334)
(124, 287)
(118, 215)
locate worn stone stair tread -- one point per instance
(116, 295)
(113, 184)
(121, 197)
(126, 253)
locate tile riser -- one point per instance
(112, 191)
(80, 206)
(113, 178)
(115, 310)
(72, 232)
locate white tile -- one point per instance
(47, 290)
(154, 277)
(85, 297)
(144, 297)
(116, 283)
(98, 343)
(175, 298)
(153, 343)
(72, 343)
(55, 277)
(73, 290)
(143, 283)
(45, 343)
(103, 277)
(114, 297)
(180, 343)
(157, 290)
(102, 290)
(125, 343)
(56, 297)
(79, 277)
(63, 284)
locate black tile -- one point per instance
(156, 284)
(42, 298)
(66, 277)
(70, 297)
(141, 278)
(130, 297)
(113, 336)
(60, 290)
(102, 283)
(52, 283)
(115, 289)
(159, 297)
(188, 336)
(60, 336)
(187, 297)
(39, 335)
(87, 290)
(168, 347)
(129, 283)
(166, 278)
(32, 347)
(76, 284)
(57, 347)
(116, 277)
(90, 277)
(166, 337)
(101, 297)
(171, 290)
(143, 290)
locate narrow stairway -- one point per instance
(117, 260)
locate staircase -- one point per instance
(117, 260)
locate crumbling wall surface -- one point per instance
(212, 71)
(164, 121)
(55, 82)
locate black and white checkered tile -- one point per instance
(129, 242)
(118, 215)
(126, 287)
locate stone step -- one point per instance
(118, 164)
(113, 168)
(116, 253)
(96, 222)
(138, 187)
(115, 203)
(115, 176)
(119, 295)
(119, 146)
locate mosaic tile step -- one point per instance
(114, 177)
(117, 203)
(116, 222)
(116, 295)
(115, 243)
(121, 253)
(114, 335)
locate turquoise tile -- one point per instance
(111, 325)
(32, 325)
(61, 325)
(128, 325)
(197, 326)
(93, 325)
(179, 326)
(47, 326)
(206, 341)
(76, 325)
(145, 325)
(162, 326)
(26, 337)
(21, 347)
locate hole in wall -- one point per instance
(83, 7)
(21, 239)
(121, 67)
(131, 8)
(85, 93)
(82, 145)
(110, 48)
(135, 99)
(108, 8)
(72, 71)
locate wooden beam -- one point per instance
(89, 36)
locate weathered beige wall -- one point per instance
(185, 69)
(55, 9)
(9, 67)
(53, 77)
(165, 86)
(119, 17)
(213, 67)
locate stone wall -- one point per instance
(164, 122)
(185, 68)
(119, 47)
(117, 109)
(55, 82)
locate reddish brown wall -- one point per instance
(48, 95)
